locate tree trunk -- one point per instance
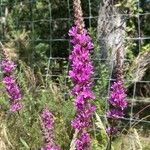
(110, 31)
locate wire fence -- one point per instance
(59, 45)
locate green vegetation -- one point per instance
(34, 31)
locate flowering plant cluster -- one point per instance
(117, 103)
(11, 86)
(80, 73)
(47, 122)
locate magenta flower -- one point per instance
(118, 96)
(11, 85)
(117, 103)
(47, 122)
(15, 107)
(81, 73)
(83, 118)
(111, 130)
(50, 147)
(8, 66)
(115, 114)
(47, 119)
(83, 142)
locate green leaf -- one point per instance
(24, 143)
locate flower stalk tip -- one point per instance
(81, 72)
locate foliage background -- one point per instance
(35, 34)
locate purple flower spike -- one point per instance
(117, 103)
(81, 73)
(8, 66)
(83, 142)
(11, 85)
(15, 107)
(118, 96)
(115, 114)
(47, 119)
(47, 122)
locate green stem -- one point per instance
(109, 146)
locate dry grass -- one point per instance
(132, 141)
(140, 65)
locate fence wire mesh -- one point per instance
(56, 26)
